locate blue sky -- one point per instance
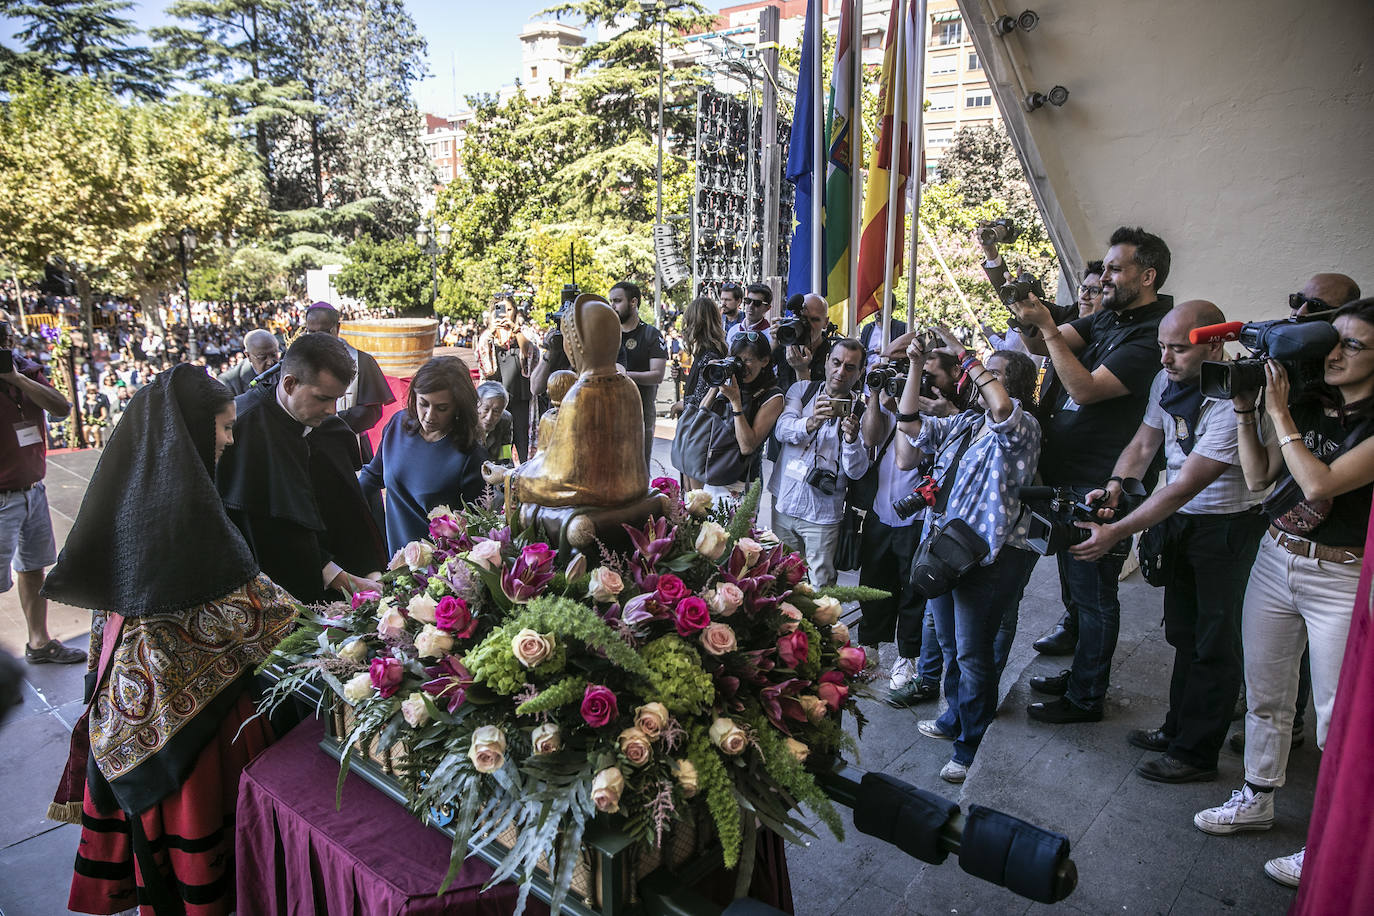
(472, 43)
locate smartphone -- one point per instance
(836, 407)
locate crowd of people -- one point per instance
(940, 469)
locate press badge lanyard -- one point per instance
(26, 431)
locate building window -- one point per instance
(941, 101)
(534, 73)
(973, 62)
(567, 73)
(873, 41)
(978, 100)
(946, 63)
(939, 138)
(949, 33)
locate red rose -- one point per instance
(692, 615)
(671, 589)
(599, 706)
(793, 647)
(852, 659)
(833, 690)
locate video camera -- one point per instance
(1054, 510)
(1300, 344)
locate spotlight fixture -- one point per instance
(1056, 97)
(1005, 25)
(1028, 20)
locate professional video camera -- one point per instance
(1300, 344)
(718, 371)
(997, 232)
(1054, 510)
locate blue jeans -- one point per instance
(967, 621)
(932, 663)
(1092, 588)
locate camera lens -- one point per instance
(909, 505)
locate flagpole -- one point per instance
(856, 153)
(818, 158)
(917, 103)
(894, 176)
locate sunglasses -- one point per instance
(1298, 300)
(748, 301)
(752, 336)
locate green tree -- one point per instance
(393, 273)
(87, 38)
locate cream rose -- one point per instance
(697, 501)
(413, 710)
(686, 772)
(827, 611)
(397, 561)
(751, 549)
(726, 599)
(605, 584)
(804, 588)
(651, 719)
(390, 622)
(486, 554)
(839, 634)
(768, 539)
(711, 540)
(718, 639)
(813, 706)
(606, 789)
(798, 750)
(439, 512)
(422, 608)
(359, 687)
(433, 642)
(728, 736)
(634, 744)
(488, 751)
(547, 738)
(532, 648)
(354, 650)
(417, 554)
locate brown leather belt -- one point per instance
(1301, 547)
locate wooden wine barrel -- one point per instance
(400, 345)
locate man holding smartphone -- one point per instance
(821, 452)
(26, 540)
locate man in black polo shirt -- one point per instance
(1103, 367)
(642, 353)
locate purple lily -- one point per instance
(450, 680)
(652, 542)
(530, 574)
(780, 703)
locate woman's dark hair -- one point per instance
(451, 374)
(1363, 310)
(757, 345)
(702, 330)
(1019, 375)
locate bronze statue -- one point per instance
(589, 474)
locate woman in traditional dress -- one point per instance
(182, 617)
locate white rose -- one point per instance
(827, 611)
(422, 607)
(726, 599)
(488, 751)
(768, 539)
(697, 502)
(413, 710)
(390, 622)
(417, 554)
(354, 650)
(728, 736)
(397, 561)
(433, 642)
(751, 549)
(359, 687)
(547, 738)
(711, 540)
(486, 554)
(839, 634)
(606, 789)
(605, 584)
(439, 512)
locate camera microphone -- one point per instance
(1214, 332)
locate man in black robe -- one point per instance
(289, 483)
(360, 406)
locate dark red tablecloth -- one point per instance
(297, 854)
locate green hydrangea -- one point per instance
(676, 678)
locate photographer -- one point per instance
(1304, 579)
(643, 355)
(821, 451)
(505, 354)
(754, 401)
(1323, 293)
(1209, 545)
(1103, 368)
(806, 360)
(982, 459)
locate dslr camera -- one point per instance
(1014, 291)
(924, 494)
(997, 232)
(892, 377)
(1054, 510)
(1300, 344)
(718, 371)
(823, 480)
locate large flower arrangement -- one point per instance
(701, 669)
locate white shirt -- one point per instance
(893, 483)
(738, 329)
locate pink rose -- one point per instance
(728, 736)
(599, 706)
(833, 690)
(791, 617)
(417, 554)
(692, 615)
(532, 648)
(488, 750)
(749, 549)
(852, 660)
(605, 585)
(718, 638)
(839, 634)
(386, 673)
(727, 598)
(634, 744)
(391, 623)
(651, 719)
(606, 789)
(792, 648)
(666, 485)
(486, 554)
(671, 589)
(360, 598)
(443, 526)
(453, 615)
(539, 554)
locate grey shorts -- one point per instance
(26, 542)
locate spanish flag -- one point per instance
(893, 146)
(843, 134)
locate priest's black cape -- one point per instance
(295, 497)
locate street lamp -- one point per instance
(660, 7)
(186, 243)
(432, 247)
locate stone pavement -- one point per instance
(1133, 840)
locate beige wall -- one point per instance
(1243, 133)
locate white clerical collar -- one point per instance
(282, 404)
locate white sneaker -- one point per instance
(957, 773)
(1286, 869)
(1247, 810)
(931, 729)
(902, 673)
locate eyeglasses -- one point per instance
(1352, 347)
(1298, 300)
(731, 288)
(748, 301)
(1092, 291)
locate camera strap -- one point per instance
(967, 439)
